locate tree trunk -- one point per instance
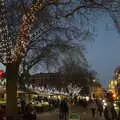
(11, 90)
(24, 79)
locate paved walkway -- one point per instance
(85, 114)
(48, 116)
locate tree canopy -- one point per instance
(50, 37)
(18, 33)
(58, 27)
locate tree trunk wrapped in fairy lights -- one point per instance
(11, 56)
(6, 58)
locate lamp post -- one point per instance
(92, 89)
(94, 81)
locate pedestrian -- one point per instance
(30, 113)
(63, 110)
(107, 113)
(118, 118)
(23, 105)
(93, 107)
(113, 112)
(100, 108)
(2, 112)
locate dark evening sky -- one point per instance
(103, 53)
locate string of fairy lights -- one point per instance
(8, 54)
(27, 22)
(5, 43)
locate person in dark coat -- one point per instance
(114, 114)
(29, 114)
(22, 105)
(106, 113)
(110, 113)
(63, 110)
(100, 108)
(93, 107)
(2, 112)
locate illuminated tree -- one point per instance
(17, 50)
(45, 50)
(74, 89)
(5, 50)
(11, 54)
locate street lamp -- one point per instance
(93, 89)
(94, 80)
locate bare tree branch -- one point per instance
(92, 5)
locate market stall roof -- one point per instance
(19, 91)
(44, 94)
(25, 91)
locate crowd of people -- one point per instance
(109, 111)
(26, 111)
(29, 112)
(95, 106)
(64, 110)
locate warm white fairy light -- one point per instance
(74, 89)
(5, 43)
(27, 22)
(9, 54)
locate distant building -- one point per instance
(114, 85)
(117, 77)
(46, 79)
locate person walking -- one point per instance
(23, 105)
(113, 112)
(100, 108)
(109, 112)
(30, 113)
(63, 110)
(93, 107)
(106, 113)
(118, 117)
(2, 112)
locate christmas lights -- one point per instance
(5, 43)
(27, 22)
(8, 53)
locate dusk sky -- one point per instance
(103, 53)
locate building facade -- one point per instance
(114, 85)
(46, 79)
(117, 77)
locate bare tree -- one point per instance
(19, 48)
(51, 40)
(77, 77)
(14, 46)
